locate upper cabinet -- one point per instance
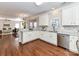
(76, 14)
(70, 15)
(43, 19)
(67, 16)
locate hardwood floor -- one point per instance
(34, 48)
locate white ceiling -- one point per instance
(14, 9)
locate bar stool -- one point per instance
(0, 34)
(77, 44)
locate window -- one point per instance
(32, 24)
(35, 24)
(17, 25)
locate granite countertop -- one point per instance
(66, 32)
(36, 30)
(69, 33)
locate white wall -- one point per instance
(12, 23)
(1, 24)
(43, 19)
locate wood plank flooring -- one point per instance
(34, 48)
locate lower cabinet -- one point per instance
(50, 37)
(26, 37)
(29, 36)
(66, 41)
(72, 43)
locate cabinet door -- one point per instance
(67, 16)
(50, 37)
(76, 14)
(26, 37)
(72, 44)
(29, 36)
(44, 36)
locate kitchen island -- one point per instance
(27, 36)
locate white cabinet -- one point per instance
(45, 37)
(28, 36)
(70, 15)
(49, 37)
(67, 16)
(76, 14)
(52, 38)
(43, 19)
(72, 44)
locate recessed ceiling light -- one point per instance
(15, 19)
(52, 8)
(38, 3)
(18, 19)
(12, 19)
(2, 18)
(23, 15)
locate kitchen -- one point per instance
(58, 26)
(65, 35)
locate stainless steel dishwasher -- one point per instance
(63, 40)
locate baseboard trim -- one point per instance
(74, 52)
(47, 42)
(29, 41)
(36, 40)
(63, 47)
